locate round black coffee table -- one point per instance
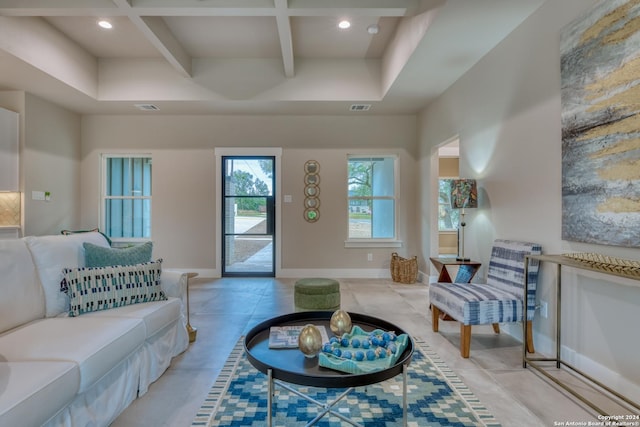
(291, 366)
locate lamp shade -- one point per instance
(464, 194)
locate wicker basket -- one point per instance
(404, 270)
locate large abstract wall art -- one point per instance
(600, 72)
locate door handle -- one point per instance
(271, 213)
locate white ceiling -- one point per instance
(247, 56)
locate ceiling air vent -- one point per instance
(360, 107)
(146, 107)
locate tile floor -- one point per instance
(222, 310)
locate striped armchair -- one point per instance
(497, 301)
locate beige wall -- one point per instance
(506, 111)
(49, 161)
(448, 240)
(184, 189)
(448, 167)
(300, 239)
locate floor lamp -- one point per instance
(464, 194)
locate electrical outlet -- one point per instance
(544, 309)
(369, 257)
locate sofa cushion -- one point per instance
(101, 288)
(22, 297)
(33, 392)
(99, 256)
(95, 344)
(156, 315)
(476, 304)
(53, 253)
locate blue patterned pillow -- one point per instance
(98, 256)
(101, 288)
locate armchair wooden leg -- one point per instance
(465, 340)
(435, 317)
(496, 327)
(530, 348)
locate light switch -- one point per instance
(288, 198)
(37, 195)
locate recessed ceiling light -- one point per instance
(344, 24)
(105, 24)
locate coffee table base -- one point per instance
(327, 408)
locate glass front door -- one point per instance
(248, 222)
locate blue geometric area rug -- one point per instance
(435, 397)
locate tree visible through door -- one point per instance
(248, 220)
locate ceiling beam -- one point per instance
(286, 39)
(37, 43)
(392, 8)
(158, 33)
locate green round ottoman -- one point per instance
(317, 294)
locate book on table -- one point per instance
(287, 336)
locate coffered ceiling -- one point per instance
(247, 56)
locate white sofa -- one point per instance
(58, 370)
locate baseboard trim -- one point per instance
(605, 375)
(202, 272)
(544, 345)
(346, 273)
(287, 273)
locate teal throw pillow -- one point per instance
(98, 256)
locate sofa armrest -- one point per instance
(174, 284)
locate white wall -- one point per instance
(184, 217)
(506, 111)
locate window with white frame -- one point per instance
(126, 196)
(372, 189)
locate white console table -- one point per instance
(534, 362)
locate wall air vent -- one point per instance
(360, 107)
(146, 107)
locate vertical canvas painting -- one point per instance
(600, 73)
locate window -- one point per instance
(126, 196)
(448, 218)
(372, 197)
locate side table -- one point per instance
(466, 271)
(538, 362)
(190, 329)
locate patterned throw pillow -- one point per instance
(97, 256)
(101, 288)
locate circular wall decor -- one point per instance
(311, 202)
(311, 179)
(311, 167)
(311, 215)
(311, 191)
